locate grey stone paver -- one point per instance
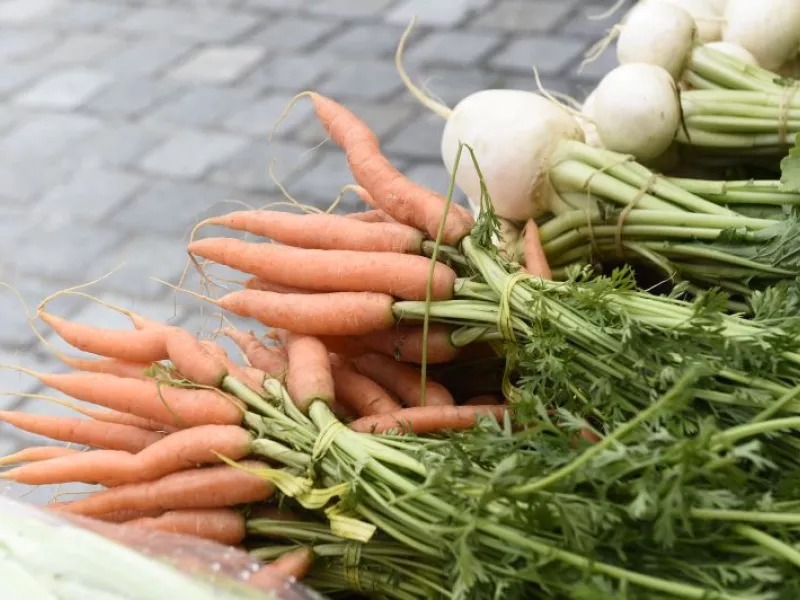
(218, 64)
(27, 11)
(64, 90)
(125, 122)
(201, 106)
(92, 194)
(191, 153)
(47, 135)
(524, 16)
(550, 55)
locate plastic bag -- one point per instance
(46, 557)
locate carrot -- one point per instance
(254, 283)
(371, 216)
(250, 376)
(184, 449)
(324, 231)
(193, 360)
(148, 399)
(426, 419)
(405, 343)
(401, 275)
(111, 366)
(485, 400)
(535, 260)
(340, 313)
(361, 393)
(120, 418)
(125, 515)
(403, 380)
(220, 486)
(83, 431)
(290, 567)
(136, 345)
(309, 378)
(37, 453)
(222, 525)
(270, 360)
(390, 190)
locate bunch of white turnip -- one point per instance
(595, 174)
(669, 45)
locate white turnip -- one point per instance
(657, 33)
(768, 29)
(514, 135)
(706, 16)
(637, 110)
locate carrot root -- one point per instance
(427, 419)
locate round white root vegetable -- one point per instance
(719, 6)
(706, 17)
(735, 50)
(514, 135)
(657, 33)
(590, 135)
(637, 110)
(768, 29)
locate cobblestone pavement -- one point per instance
(123, 122)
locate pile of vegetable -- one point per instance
(442, 403)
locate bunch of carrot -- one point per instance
(189, 440)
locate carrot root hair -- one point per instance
(434, 106)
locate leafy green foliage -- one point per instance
(790, 169)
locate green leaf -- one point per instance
(790, 169)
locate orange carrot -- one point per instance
(340, 313)
(324, 231)
(535, 260)
(125, 515)
(183, 449)
(401, 275)
(120, 418)
(193, 360)
(219, 486)
(292, 566)
(250, 376)
(111, 366)
(37, 453)
(309, 377)
(148, 399)
(405, 343)
(83, 431)
(485, 400)
(254, 283)
(222, 525)
(403, 380)
(391, 191)
(361, 393)
(269, 359)
(426, 419)
(135, 345)
(371, 216)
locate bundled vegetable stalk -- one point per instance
(677, 486)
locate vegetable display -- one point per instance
(587, 387)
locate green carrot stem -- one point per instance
(715, 514)
(781, 549)
(544, 550)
